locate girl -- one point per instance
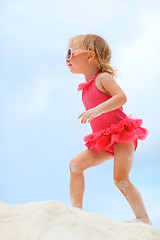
(114, 134)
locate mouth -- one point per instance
(69, 65)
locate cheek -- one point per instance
(78, 64)
(82, 62)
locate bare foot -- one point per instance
(140, 220)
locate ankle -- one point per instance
(76, 203)
(145, 220)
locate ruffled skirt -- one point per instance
(126, 130)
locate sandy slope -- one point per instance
(53, 220)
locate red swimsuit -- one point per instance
(110, 127)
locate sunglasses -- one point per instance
(72, 52)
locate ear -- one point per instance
(91, 56)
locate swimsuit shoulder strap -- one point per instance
(97, 74)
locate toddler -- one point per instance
(114, 134)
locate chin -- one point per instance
(74, 71)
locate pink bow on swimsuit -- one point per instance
(89, 80)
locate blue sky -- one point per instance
(40, 132)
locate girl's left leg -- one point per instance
(123, 158)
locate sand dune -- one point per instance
(53, 220)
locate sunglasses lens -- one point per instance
(69, 54)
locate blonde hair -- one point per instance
(101, 48)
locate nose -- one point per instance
(67, 60)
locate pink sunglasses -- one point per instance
(70, 53)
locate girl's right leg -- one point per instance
(123, 158)
(88, 158)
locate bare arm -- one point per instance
(118, 97)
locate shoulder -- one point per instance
(109, 84)
(105, 77)
(101, 82)
(105, 80)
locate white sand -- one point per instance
(53, 220)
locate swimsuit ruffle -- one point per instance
(87, 82)
(83, 85)
(126, 130)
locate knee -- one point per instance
(74, 167)
(123, 185)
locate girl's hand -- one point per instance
(90, 114)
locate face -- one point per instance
(79, 62)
